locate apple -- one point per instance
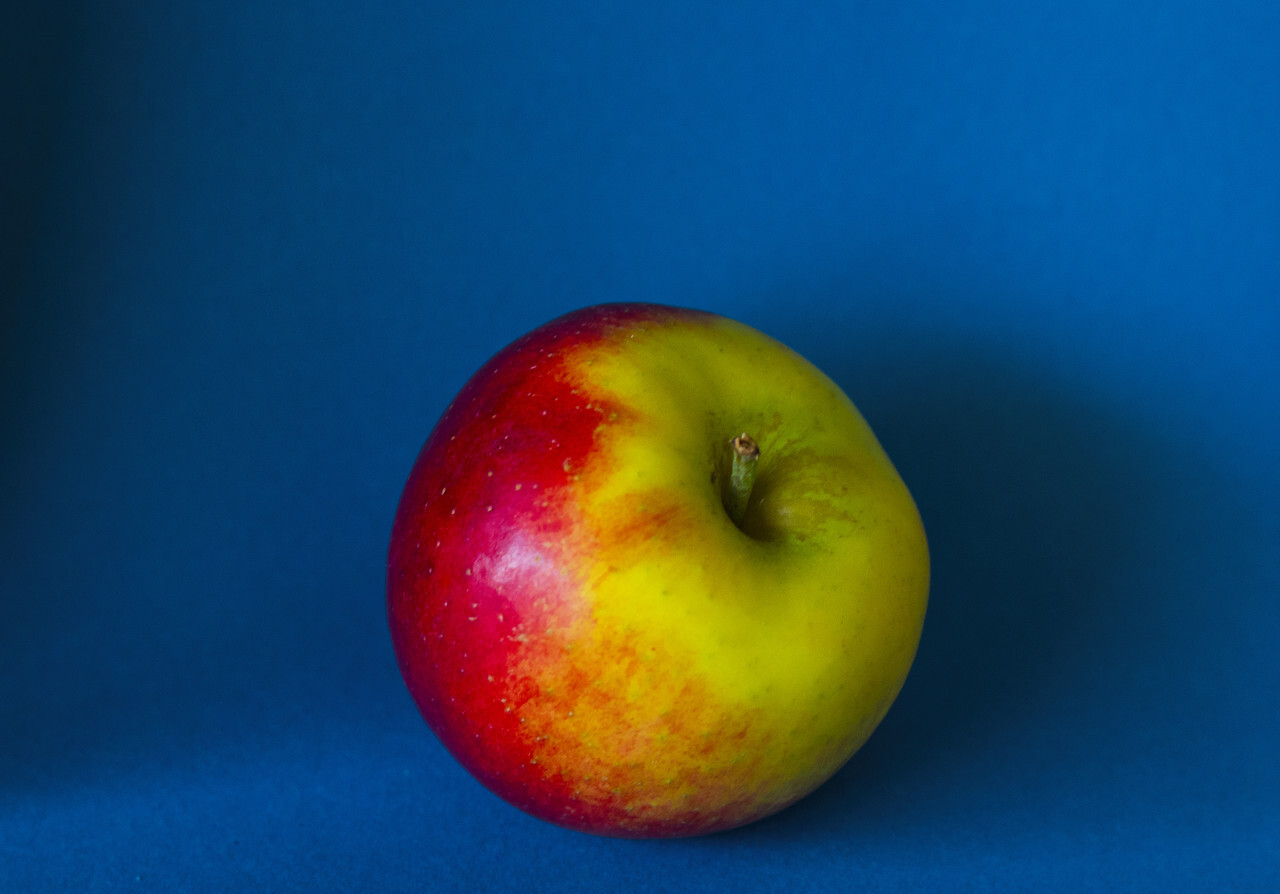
(652, 575)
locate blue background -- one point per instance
(251, 250)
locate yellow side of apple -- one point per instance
(754, 659)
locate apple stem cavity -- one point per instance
(746, 453)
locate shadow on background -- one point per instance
(1034, 499)
(39, 43)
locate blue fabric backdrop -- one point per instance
(250, 251)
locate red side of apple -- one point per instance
(518, 421)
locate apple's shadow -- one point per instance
(1034, 497)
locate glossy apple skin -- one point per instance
(580, 622)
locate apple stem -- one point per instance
(746, 452)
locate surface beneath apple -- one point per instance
(586, 628)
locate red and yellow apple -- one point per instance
(605, 622)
